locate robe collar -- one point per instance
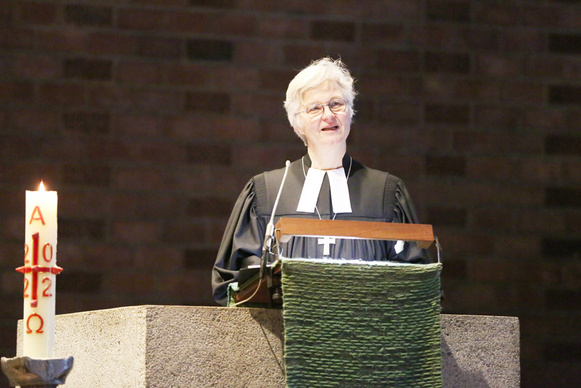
(337, 181)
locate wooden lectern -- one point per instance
(421, 234)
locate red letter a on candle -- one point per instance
(38, 217)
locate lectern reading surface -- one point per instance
(421, 234)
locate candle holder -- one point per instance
(36, 373)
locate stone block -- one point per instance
(189, 346)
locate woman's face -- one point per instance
(330, 128)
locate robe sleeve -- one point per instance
(404, 212)
(241, 244)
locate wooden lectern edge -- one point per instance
(421, 234)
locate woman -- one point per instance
(326, 183)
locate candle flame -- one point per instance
(41, 186)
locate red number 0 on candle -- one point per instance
(44, 249)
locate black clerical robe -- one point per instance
(375, 196)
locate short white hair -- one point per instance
(312, 76)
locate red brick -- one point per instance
(37, 13)
(235, 24)
(523, 41)
(431, 87)
(65, 41)
(293, 55)
(469, 298)
(17, 38)
(381, 33)
(398, 60)
(133, 232)
(572, 171)
(16, 91)
(381, 85)
(245, 53)
(129, 206)
(208, 102)
(445, 165)
(136, 125)
(541, 171)
(333, 31)
(199, 258)
(158, 152)
(135, 100)
(62, 93)
(498, 14)
(478, 90)
(171, 3)
(188, 287)
(96, 256)
(394, 164)
(31, 119)
(541, 16)
(212, 127)
(451, 11)
(545, 67)
(571, 275)
(210, 154)
(35, 66)
(545, 118)
(87, 15)
(275, 80)
(87, 122)
(497, 117)
(140, 72)
(280, 27)
(86, 175)
(518, 246)
(6, 11)
(210, 50)
(492, 219)
(498, 66)
(149, 47)
(100, 42)
(169, 259)
(491, 167)
(255, 105)
(450, 114)
(23, 172)
(90, 69)
(525, 93)
(497, 143)
(399, 114)
(130, 282)
(438, 62)
(214, 77)
(209, 207)
(140, 19)
(220, 4)
(81, 282)
(184, 232)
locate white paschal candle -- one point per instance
(40, 272)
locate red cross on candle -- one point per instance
(35, 268)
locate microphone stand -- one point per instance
(267, 245)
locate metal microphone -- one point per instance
(269, 235)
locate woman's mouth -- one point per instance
(333, 128)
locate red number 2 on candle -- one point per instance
(26, 284)
(45, 292)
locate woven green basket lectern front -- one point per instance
(361, 324)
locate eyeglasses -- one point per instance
(316, 109)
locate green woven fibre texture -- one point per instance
(361, 325)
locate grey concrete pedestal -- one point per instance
(184, 346)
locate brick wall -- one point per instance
(148, 116)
